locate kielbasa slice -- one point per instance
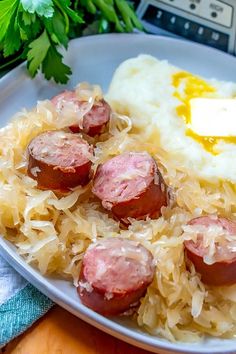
(115, 274)
(130, 185)
(94, 121)
(59, 160)
(222, 267)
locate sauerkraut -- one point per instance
(52, 231)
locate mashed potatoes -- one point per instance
(52, 231)
(156, 95)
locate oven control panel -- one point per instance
(209, 22)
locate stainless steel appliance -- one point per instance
(210, 22)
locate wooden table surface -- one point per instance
(59, 332)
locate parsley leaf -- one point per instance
(28, 18)
(33, 29)
(56, 29)
(29, 24)
(53, 67)
(7, 11)
(40, 7)
(12, 42)
(63, 5)
(38, 51)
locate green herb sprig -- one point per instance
(35, 30)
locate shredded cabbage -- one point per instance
(52, 231)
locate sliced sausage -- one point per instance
(63, 97)
(130, 185)
(59, 160)
(223, 270)
(115, 274)
(94, 122)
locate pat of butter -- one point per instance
(213, 117)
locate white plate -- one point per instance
(94, 59)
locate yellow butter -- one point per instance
(211, 117)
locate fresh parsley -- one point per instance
(36, 30)
(39, 7)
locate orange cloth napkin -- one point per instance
(59, 332)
